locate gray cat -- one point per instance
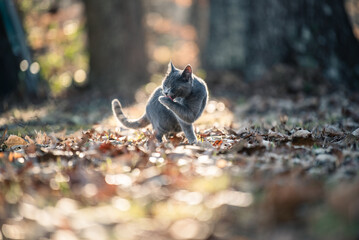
(173, 107)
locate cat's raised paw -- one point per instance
(164, 100)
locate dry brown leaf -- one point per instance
(302, 137)
(332, 131)
(29, 140)
(14, 155)
(302, 134)
(14, 140)
(42, 138)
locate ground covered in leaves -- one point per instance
(279, 168)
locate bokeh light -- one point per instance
(24, 65)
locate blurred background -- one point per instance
(280, 134)
(58, 49)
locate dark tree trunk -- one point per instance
(252, 36)
(15, 84)
(9, 65)
(118, 59)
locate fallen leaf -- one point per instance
(14, 155)
(217, 143)
(42, 138)
(29, 140)
(302, 134)
(356, 132)
(222, 163)
(14, 140)
(332, 131)
(302, 137)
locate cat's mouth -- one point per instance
(170, 96)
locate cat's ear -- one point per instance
(171, 67)
(187, 72)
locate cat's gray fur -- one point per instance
(172, 107)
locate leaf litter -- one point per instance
(280, 176)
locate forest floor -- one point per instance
(266, 167)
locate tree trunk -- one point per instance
(116, 37)
(252, 36)
(8, 65)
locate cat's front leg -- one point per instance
(188, 132)
(181, 111)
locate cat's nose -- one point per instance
(166, 92)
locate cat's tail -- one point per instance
(137, 123)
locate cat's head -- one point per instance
(177, 83)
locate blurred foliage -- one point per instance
(56, 34)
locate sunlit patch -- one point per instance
(222, 163)
(191, 198)
(61, 178)
(204, 159)
(34, 67)
(64, 234)
(158, 23)
(150, 87)
(150, 172)
(70, 27)
(51, 34)
(162, 54)
(89, 190)
(220, 106)
(21, 160)
(46, 217)
(185, 52)
(13, 194)
(174, 210)
(67, 206)
(234, 198)
(95, 232)
(65, 80)
(209, 171)
(182, 162)
(24, 65)
(80, 76)
(118, 179)
(189, 229)
(54, 185)
(13, 231)
(126, 231)
(121, 204)
(128, 169)
(156, 158)
(27, 210)
(183, 3)
(210, 184)
(213, 106)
